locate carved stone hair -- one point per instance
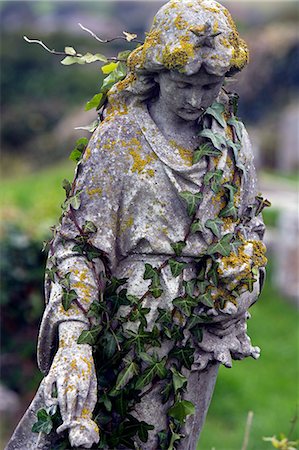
(186, 35)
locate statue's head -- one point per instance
(188, 37)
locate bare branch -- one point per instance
(105, 41)
(54, 52)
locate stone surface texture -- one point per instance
(136, 165)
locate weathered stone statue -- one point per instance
(158, 256)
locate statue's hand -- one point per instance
(73, 373)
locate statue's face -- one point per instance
(187, 96)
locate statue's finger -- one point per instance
(61, 395)
(48, 389)
(71, 401)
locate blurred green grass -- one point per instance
(33, 200)
(268, 386)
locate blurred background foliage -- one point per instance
(41, 103)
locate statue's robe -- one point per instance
(129, 182)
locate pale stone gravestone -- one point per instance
(159, 253)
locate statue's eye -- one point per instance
(209, 87)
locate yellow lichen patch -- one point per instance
(87, 153)
(150, 172)
(179, 56)
(224, 42)
(86, 413)
(95, 191)
(88, 363)
(121, 85)
(139, 161)
(73, 365)
(109, 145)
(219, 199)
(198, 29)
(219, 294)
(85, 290)
(126, 224)
(229, 132)
(259, 250)
(240, 56)
(236, 260)
(185, 154)
(180, 23)
(215, 26)
(229, 223)
(211, 9)
(138, 56)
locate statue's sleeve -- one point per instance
(95, 199)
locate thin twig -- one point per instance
(54, 52)
(247, 430)
(105, 41)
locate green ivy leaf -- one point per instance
(217, 139)
(180, 410)
(164, 316)
(176, 267)
(214, 226)
(206, 299)
(108, 344)
(110, 67)
(184, 355)
(197, 333)
(126, 375)
(143, 431)
(66, 185)
(113, 284)
(192, 201)
(44, 422)
(178, 247)
(178, 380)
(89, 227)
(155, 288)
(95, 102)
(96, 309)
(90, 336)
(213, 273)
(150, 272)
(213, 178)
(216, 110)
(156, 369)
(205, 150)
(249, 282)
(51, 273)
(202, 286)
(236, 151)
(223, 246)
(195, 320)
(185, 304)
(237, 124)
(116, 75)
(229, 211)
(196, 226)
(67, 298)
(70, 51)
(77, 152)
(84, 59)
(189, 286)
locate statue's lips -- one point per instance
(191, 110)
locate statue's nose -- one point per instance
(195, 100)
